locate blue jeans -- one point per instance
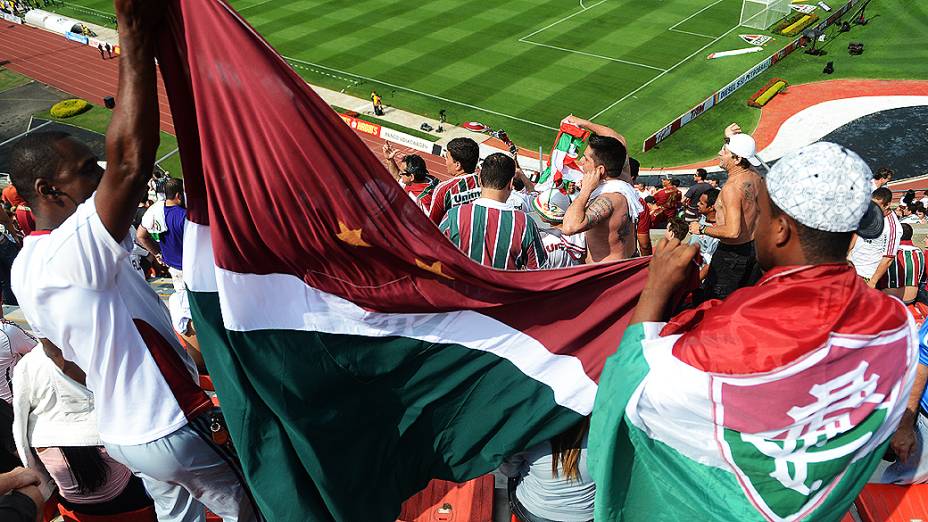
(912, 471)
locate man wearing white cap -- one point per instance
(548, 209)
(802, 377)
(734, 263)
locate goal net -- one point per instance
(761, 14)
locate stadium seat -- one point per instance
(919, 312)
(443, 501)
(888, 503)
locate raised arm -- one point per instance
(132, 137)
(595, 128)
(389, 156)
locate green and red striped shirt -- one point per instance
(496, 235)
(908, 269)
(451, 193)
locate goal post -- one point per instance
(761, 14)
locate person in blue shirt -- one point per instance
(906, 460)
(162, 233)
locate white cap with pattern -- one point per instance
(822, 186)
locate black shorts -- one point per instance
(732, 267)
(16, 507)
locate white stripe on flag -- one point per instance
(252, 302)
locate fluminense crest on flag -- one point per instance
(756, 39)
(562, 167)
(813, 425)
(719, 415)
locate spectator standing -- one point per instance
(10, 243)
(377, 102)
(734, 264)
(489, 230)
(713, 182)
(808, 295)
(552, 481)
(707, 244)
(109, 50)
(643, 227)
(906, 274)
(668, 200)
(924, 200)
(412, 175)
(548, 209)
(607, 207)
(883, 176)
(691, 198)
(100, 48)
(162, 233)
(461, 156)
(78, 289)
(873, 257)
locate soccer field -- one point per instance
(521, 65)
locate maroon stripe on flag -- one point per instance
(738, 335)
(278, 187)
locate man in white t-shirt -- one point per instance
(548, 209)
(873, 257)
(80, 291)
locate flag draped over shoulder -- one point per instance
(562, 167)
(774, 405)
(356, 352)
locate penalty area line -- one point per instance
(421, 93)
(661, 75)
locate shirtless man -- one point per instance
(607, 207)
(734, 264)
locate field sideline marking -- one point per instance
(568, 17)
(462, 104)
(525, 39)
(652, 80)
(690, 17)
(688, 32)
(584, 53)
(254, 5)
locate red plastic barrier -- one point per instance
(888, 503)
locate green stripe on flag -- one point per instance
(298, 402)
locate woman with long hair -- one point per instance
(551, 482)
(55, 429)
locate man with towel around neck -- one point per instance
(607, 207)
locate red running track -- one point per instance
(78, 70)
(69, 66)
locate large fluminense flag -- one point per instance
(357, 353)
(775, 405)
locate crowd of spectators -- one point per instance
(80, 242)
